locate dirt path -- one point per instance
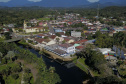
(34, 71)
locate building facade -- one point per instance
(75, 34)
(67, 48)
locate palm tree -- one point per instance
(52, 69)
(1, 55)
(10, 54)
(57, 40)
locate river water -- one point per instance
(71, 75)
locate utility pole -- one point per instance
(98, 11)
(97, 16)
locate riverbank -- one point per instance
(48, 53)
(62, 70)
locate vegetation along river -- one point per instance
(71, 75)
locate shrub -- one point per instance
(15, 76)
(27, 70)
(4, 61)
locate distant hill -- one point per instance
(63, 3)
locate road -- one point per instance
(50, 28)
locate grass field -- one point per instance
(44, 19)
(82, 60)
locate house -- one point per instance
(79, 48)
(38, 40)
(90, 41)
(56, 38)
(58, 30)
(60, 52)
(62, 34)
(81, 42)
(40, 35)
(111, 58)
(104, 50)
(68, 40)
(48, 42)
(69, 48)
(32, 29)
(120, 51)
(75, 34)
(40, 24)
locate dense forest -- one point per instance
(10, 54)
(19, 14)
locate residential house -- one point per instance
(58, 30)
(79, 48)
(121, 52)
(69, 48)
(40, 35)
(90, 41)
(68, 40)
(111, 58)
(104, 50)
(40, 24)
(48, 42)
(81, 42)
(75, 34)
(54, 37)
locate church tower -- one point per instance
(25, 25)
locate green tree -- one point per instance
(1, 55)
(10, 54)
(15, 76)
(52, 69)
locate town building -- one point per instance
(75, 34)
(27, 29)
(69, 48)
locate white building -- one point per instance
(104, 50)
(32, 29)
(69, 48)
(75, 34)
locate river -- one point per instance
(71, 75)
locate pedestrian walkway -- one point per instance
(89, 71)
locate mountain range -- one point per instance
(64, 3)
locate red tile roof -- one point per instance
(52, 36)
(66, 39)
(41, 35)
(61, 33)
(66, 45)
(79, 47)
(80, 42)
(39, 40)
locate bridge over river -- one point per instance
(13, 39)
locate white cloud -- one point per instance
(35, 0)
(4, 0)
(93, 1)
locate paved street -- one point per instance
(50, 28)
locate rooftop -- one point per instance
(66, 45)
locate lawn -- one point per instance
(44, 19)
(82, 68)
(82, 60)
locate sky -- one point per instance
(93, 0)
(41, 0)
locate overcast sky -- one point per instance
(41, 0)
